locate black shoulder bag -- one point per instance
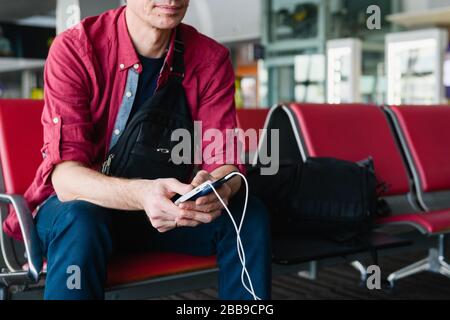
(145, 148)
(332, 197)
(337, 198)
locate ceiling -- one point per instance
(208, 17)
(19, 9)
(433, 17)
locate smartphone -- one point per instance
(202, 190)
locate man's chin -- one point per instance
(167, 24)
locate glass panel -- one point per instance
(286, 83)
(310, 78)
(348, 18)
(415, 66)
(293, 19)
(373, 81)
(263, 80)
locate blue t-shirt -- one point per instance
(148, 80)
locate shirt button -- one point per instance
(55, 120)
(129, 94)
(117, 132)
(122, 66)
(136, 66)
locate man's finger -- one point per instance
(165, 229)
(210, 207)
(187, 223)
(201, 177)
(224, 193)
(170, 210)
(164, 225)
(175, 186)
(215, 214)
(195, 215)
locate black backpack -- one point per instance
(327, 196)
(145, 148)
(336, 198)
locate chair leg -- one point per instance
(435, 262)
(358, 266)
(310, 274)
(444, 269)
(3, 292)
(414, 268)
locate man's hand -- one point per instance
(152, 196)
(208, 204)
(163, 214)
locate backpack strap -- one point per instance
(177, 70)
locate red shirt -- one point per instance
(85, 78)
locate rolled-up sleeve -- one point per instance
(68, 127)
(217, 111)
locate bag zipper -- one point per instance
(163, 150)
(107, 164)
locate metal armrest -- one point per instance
(29, 234)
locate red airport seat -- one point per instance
(21, 135)
(20, 143)
(355, 132)
(143, 267)
(423, 134)
(252, 119)
(136, 268)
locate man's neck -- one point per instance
(148, 41)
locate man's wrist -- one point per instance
(134, 193)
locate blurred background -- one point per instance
(335, 51)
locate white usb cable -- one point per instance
(240, 247)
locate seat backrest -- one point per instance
(21, 138)
(353, 133)
(425, 133)
(252, 119)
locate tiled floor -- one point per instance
(342, 282)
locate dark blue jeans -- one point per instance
(84, 235)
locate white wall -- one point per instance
(226, 20)
(420, 5)
(70, 12)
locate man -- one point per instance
(97, 74)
